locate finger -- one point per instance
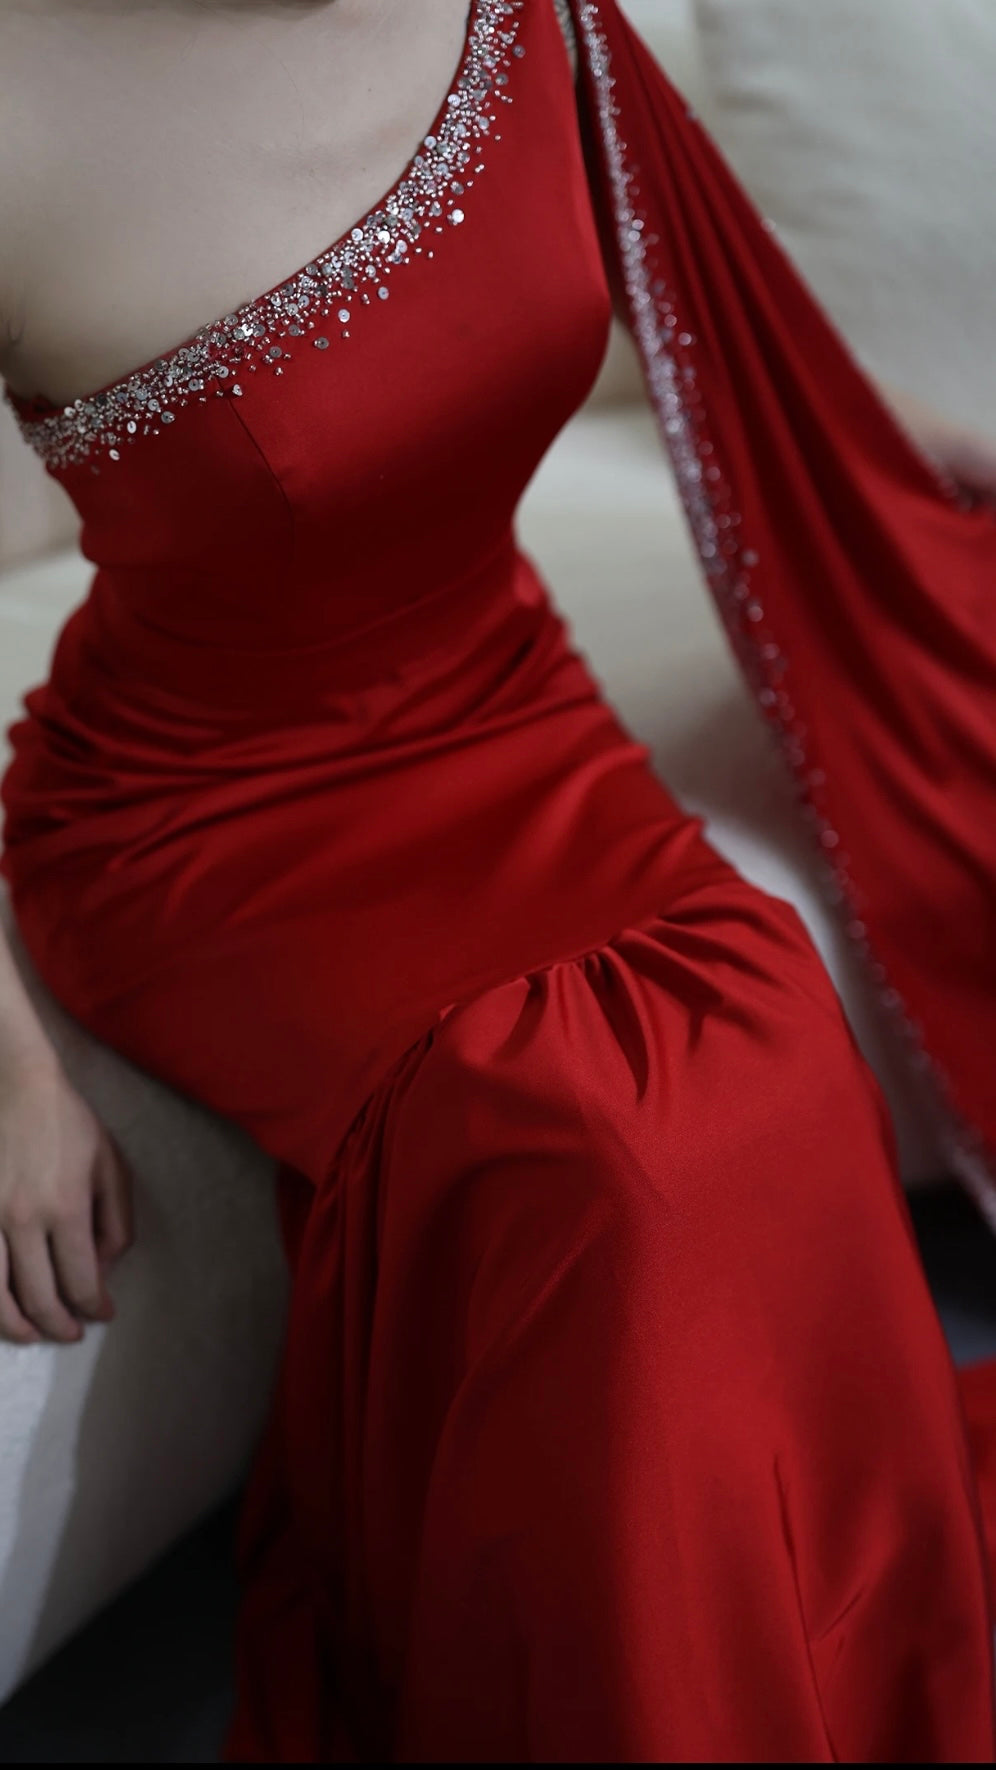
(77, 1272)
(14, 1325)
(112, 1207)
(34, 1286)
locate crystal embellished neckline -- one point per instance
(322, 298)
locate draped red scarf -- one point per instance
(856, 584)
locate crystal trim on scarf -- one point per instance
(352, 273)
(667, 352)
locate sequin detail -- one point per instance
(429, 199)
(667, 351)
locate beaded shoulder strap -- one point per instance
(325, 298)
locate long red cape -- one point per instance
(856, 584)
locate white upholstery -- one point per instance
(109, 1450)
(866, 130)
(669, 28)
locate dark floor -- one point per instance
(164, 1649)
(149, 1681)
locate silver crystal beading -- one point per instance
(324, 297)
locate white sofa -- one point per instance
(112, 1449)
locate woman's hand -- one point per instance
(65, 1205)
(967, 456)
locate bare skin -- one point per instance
(65, 1202)
(162, 162)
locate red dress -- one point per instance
(614, 1420)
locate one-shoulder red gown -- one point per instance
(614, 1419)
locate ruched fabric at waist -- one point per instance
(283, 649)
(384, 850)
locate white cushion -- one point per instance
(34, 601)
(668, 28)
(866, 131)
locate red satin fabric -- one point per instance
(858, 588)
(614, 1420)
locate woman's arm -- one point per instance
(65, 1201)
(23, 1041)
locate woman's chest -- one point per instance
(173, 163)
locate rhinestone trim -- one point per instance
(351, 274)
(728, 561)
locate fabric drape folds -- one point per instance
(858, 587)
